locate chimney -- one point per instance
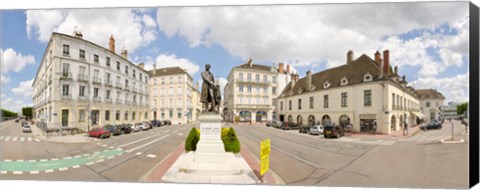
(386, 62)
(378, 57)
(293, 80)
(349, 56)
(142, 65)
(250, 64)
(280, 68)
(403, 78)
(309, 80)
(381, 70)
(124, 54)
(288, 69)
(396, 70)
(78, 34)
(154, 69)
(112, 44)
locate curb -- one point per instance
(36, 134)
(161, 168)
(445, 141)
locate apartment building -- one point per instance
(360, 92)
(171, 93)
(77, 78)
(430, 103)
(251, 91)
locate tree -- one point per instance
(462, 108)
(7, 113)
(27, 112)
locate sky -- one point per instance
(429, 47)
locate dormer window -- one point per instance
(290, 93)
(344, 81)
(300, 90)
(326, 84)
(367, 77)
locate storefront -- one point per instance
(367, 122)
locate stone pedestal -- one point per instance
(210, 148)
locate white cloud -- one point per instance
(4, 80)
(131, 29)
(170, 60)
(302, 34)
(14, 61)
(14, 104)
(223, 81)
(453, 88)
(24, 89)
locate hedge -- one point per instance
(228, 136)
(192, 140)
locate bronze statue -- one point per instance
(209, 96)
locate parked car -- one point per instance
(292, 125)
(125, 129)
(277, 124)
(141, 126)
(167, 122)
(315, 130)
(432, 124)
(17, 120)
(269, 123)
(26, 129)
(303, 129)
(134, 127)
(147, 124)
(333, 131)
(155, 123)
(99, 132)
(115, 130)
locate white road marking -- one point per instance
(76, 166)
(175, 131)
(111, 147)
(1, 138)
(110, 157)
(99, 144)
(90, 163)
(86, 154)
(37, 140)
(101, 160)
(54, 159)
(121, 146)
(48, 171)
(8, 138)
(180, 134)
(33, 172)
(120, 149)
(43, 160)
(7, 160)
(104, 145)
(166, 131)
(22, 139)
(68, 157)
(14, 139)
(31, 160)
(3, 172)
(17, 172)
(29, 139)
(151, 156)
(138, 153)
(63, 169)
(77, 156)
(146, 144)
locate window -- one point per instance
(126, 115)
(95, 58)
(179, 79)
(265, 78)
(240, 88)
(299, 104)
(265, 89)
(108, 94)
(118, 65)
(117, 115)
(344, 99)
(170, 91)
(154, 81)
(66, 49)
(274, 90)
(393, 101)
(311, 102)
(427, 104)
(155, 93)
(133, 115)
(249, 77)
(126, 69)
(257, 78)
(367, 98)
(281, 106)
(107, 61)
(162, 115)
(171, 80)
(170, 114)
(95, 92)
(81, 116)
(274, 79)
(163, 80)
(258, 89)
(141, 77)
(107, 115)
(66, 69)
(290, 105)
(436, 104)
(133, 73)
(81, 91)
(249, 88)
(179, 115)
(65, 89)
(82, 54)
(240, 77)
(179, 90)
(325, 101)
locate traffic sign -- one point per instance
(264, 164)
(264, 156)
(265, 147)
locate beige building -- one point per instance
(251, 92)
(171, 93)
(77, 78)
(197, 106)
(360, 92)
(430, 102)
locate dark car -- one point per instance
(432, 124)
(17, 120)
(155, 123)
(332, 131)
(292, 125)
(303, 129)
(125, 129)
(99, 132)
(115, 130)
(288, 126)
(167, 122)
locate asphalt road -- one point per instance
(419, 161)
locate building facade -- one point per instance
(171, 95)
(360, 92)
(197, 106)
(77, 78)
(250, 93)
(430, 103)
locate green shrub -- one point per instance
(224, 132)
(192, 140)
(230, 141)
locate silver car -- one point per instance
(26, 129)
(316, 130)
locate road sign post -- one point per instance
(264, 157)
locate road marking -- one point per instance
(14, 139)
(77, 156)
(121, 146)
(1, 138)
(22, 139)
(76, 166)
(17, 172)
(175, 131)
(43, 160)
(29, 139)
(48, 171)
(54, 159)
(7, 160)
(180, 134)
(3, 172)
(101, 160)
(8, 138)
(31, 160)
(166, 131)
(111, 147)
(90, 163)
(63, 169)
(151, 156)
(68, 157)
(120, 149)
(33, 172)
(86, 154)
(110, 157)
(37, 140)
(138, 153)
(146, 144)
(104, 145)
(99, 144)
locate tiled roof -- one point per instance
(254, 66)
(429, 93)
(167, 71)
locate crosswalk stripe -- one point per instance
(8, 138)
(14, 139)
(37, 140)
(22, 139)
(29, 139)
(1, 138)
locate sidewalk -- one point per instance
(78, 138)
(395, 135)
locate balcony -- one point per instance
(252, 106)
(108, 100)
(66, 76)
(127, 88)
(108, 83)
(260, 82)
(82, 98)
(119, 101)
(97, 99)
(134, 89)
(118, 85)
(134, 103)
(127, 102)
(97, 80)
(82, 77)
(66, 96)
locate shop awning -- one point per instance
(418, 114)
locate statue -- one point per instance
(210, 91)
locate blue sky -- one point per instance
(429, 48)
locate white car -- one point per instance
(26, 129)
(316, 130)
(134, 127)
(142, 126)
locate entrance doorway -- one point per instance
(95, 114)
(64, 118)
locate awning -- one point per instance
(368, 116)
(418, 114)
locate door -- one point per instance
(64, 118)
(95, 114)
